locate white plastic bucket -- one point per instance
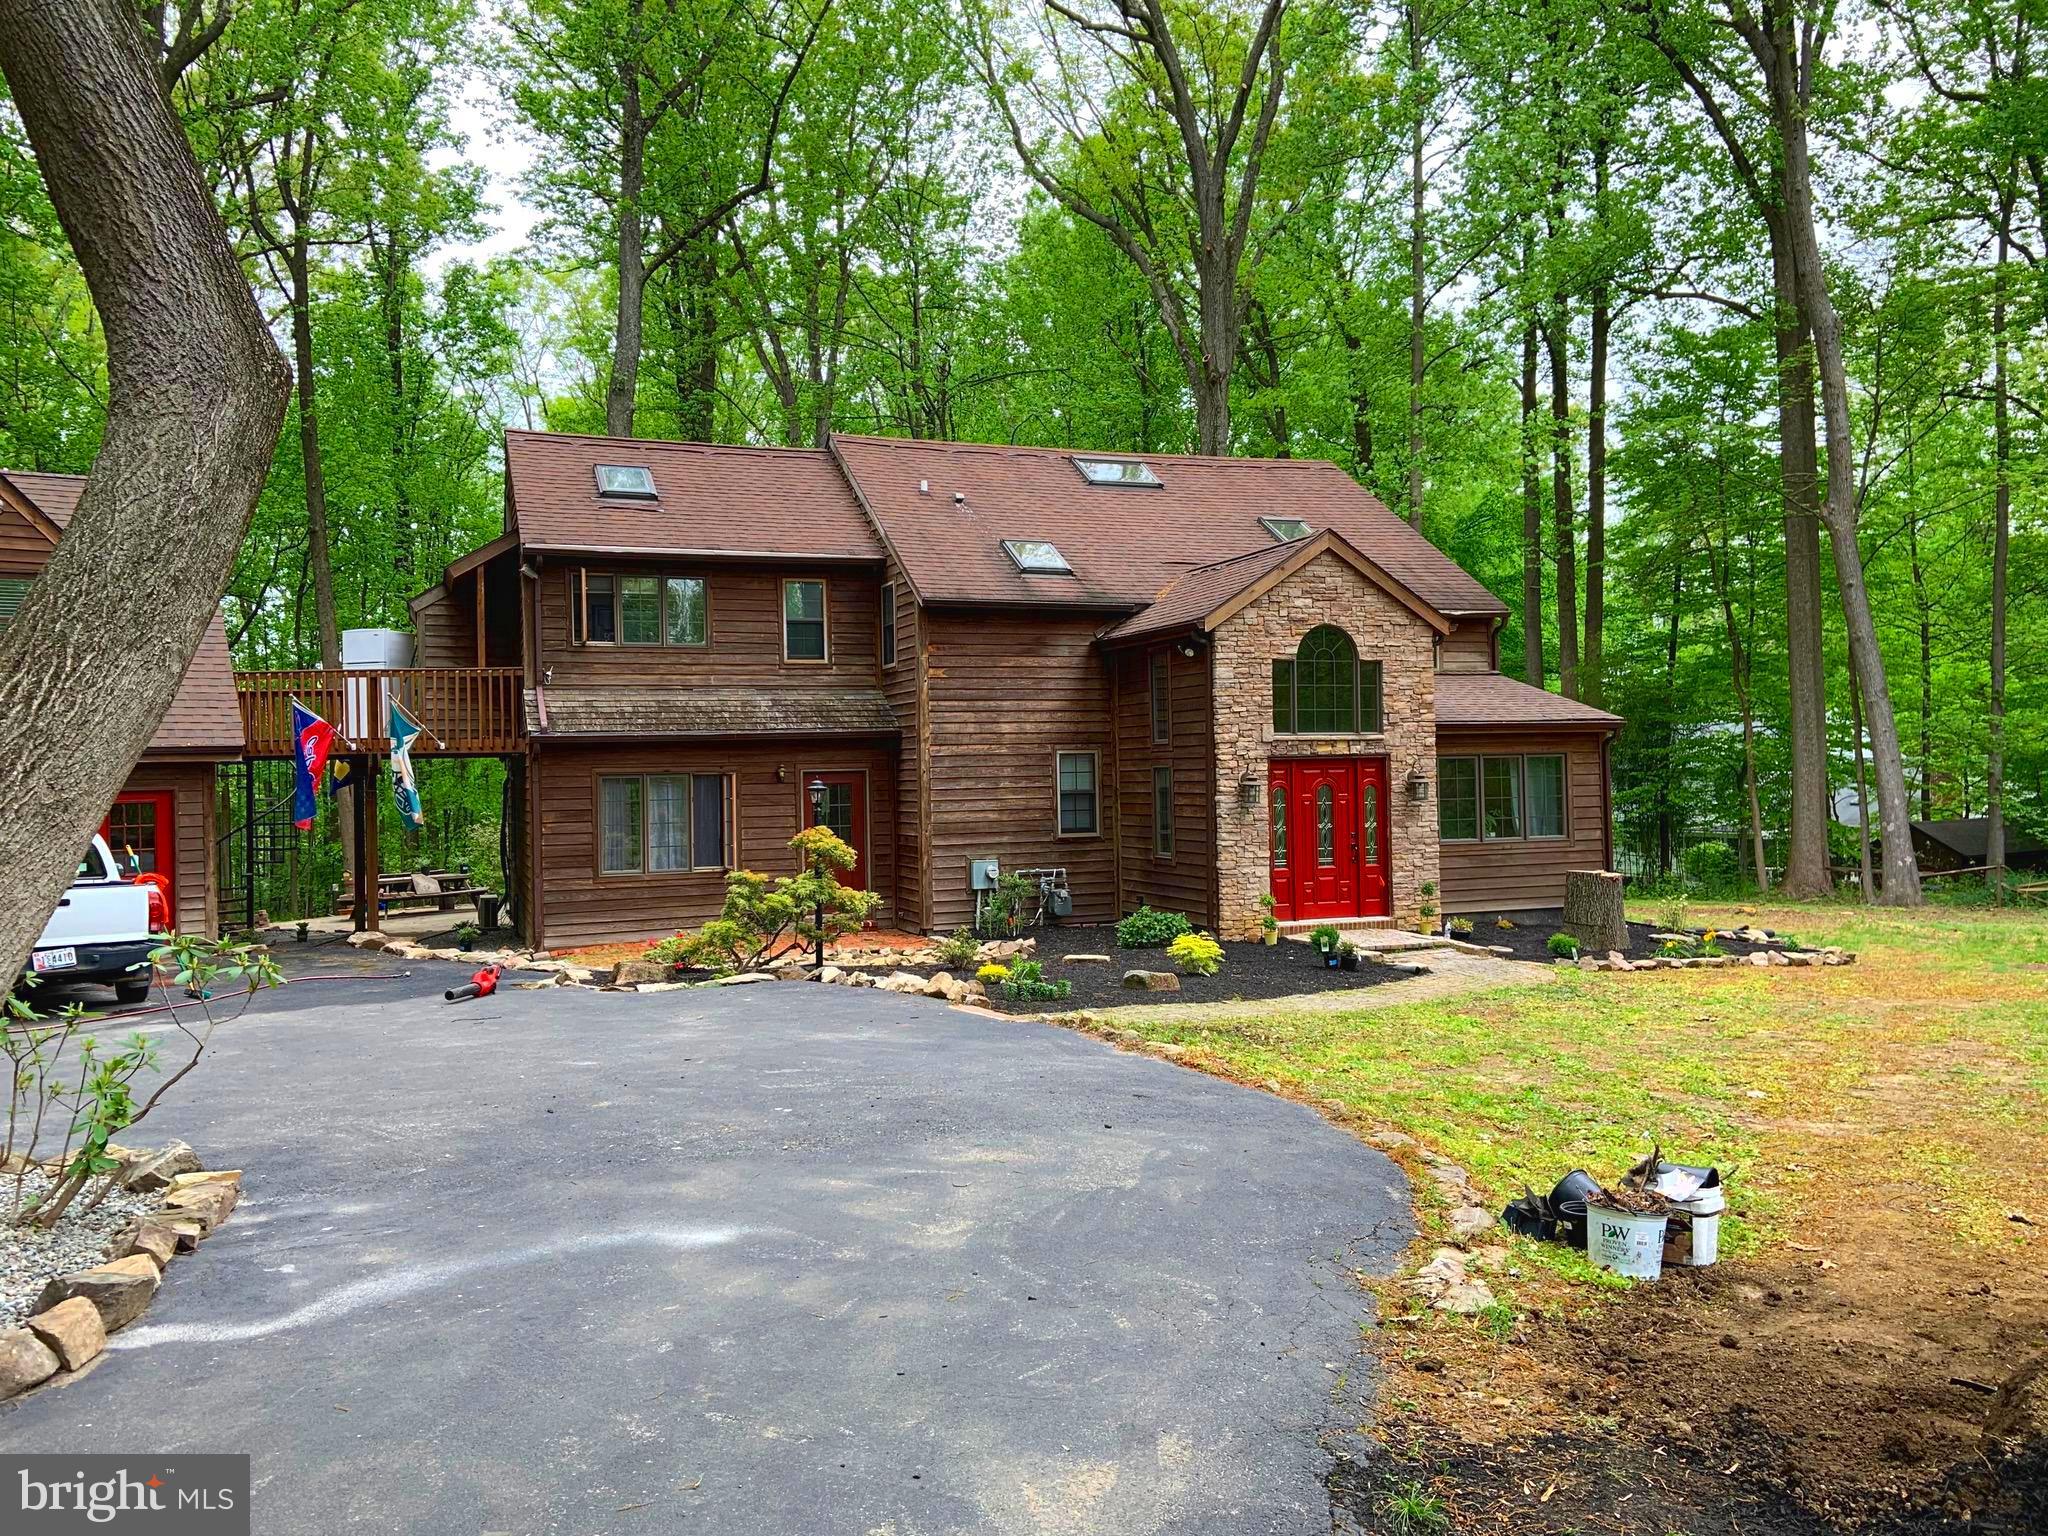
(1624, 1242)
(1698, 1243)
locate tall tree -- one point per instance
(195, 395)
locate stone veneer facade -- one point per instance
(1326, 591)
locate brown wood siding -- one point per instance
(191, 787)
(1467, 648)
(1007, 691)
(580, 906)
(1186, 882)
(904, 687)
(745, 635)
(444, 627)
(24, 548)
(1513, 874)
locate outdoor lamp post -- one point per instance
(816, 790)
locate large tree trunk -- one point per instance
(1532, 520)
(622, 389)
(317, 545)
(1924, 612)
(195, 396)
(2001, 540)
(1806, 852)
(1418, 273)
(1563, 533)
(1591, 655)
(1895, 812)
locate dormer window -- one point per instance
(631, 480)
(1286, 529)
(1035, 557)
(1116, 472)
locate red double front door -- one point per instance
(1329, 830)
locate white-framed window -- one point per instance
(1037, 557)
(1080, 796)
(1117, 472)
(663, 823)
(804, 636)
(1286, 529)
(630, 480)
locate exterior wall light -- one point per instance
(1418, 786)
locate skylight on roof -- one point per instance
(1286, 529)
(625, 480)
(1116, 471)
(1036, 557)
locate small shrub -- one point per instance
(758, 918)
(1026, 983)
(957, 948)
(468, 933)
(1196, 954)
(672, 950)
(1002, 915)
(1713, 866)
(1346, 949)
(1148, 928)
(1672, 915)
(992, 973)
(1505, 924)
(1564, 946)
(1461, 927)
(1324, 938)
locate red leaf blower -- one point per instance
(482, 984)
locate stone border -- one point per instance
(75, 1312)
(1762, 958)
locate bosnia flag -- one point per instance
(405, 788)
(312, 740)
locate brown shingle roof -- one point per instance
(711, 500)
(1125, 543)
(622, 712)
(1488, 698)
(204, 716)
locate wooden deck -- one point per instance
(466, 711)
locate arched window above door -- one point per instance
(1323, 689)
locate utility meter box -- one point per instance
(982, 874)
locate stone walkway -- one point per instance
(1445, 973)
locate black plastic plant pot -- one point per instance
(1349, 962)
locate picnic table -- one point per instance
(441, 888)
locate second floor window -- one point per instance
(888, 623)
(803, 621)
(609, 609)
(1078, 814)
(1162, 698)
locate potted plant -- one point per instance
(1347, 955)
(467, 935)
(1324, 939)
(1459, 927)
(1428, 907)
(1269, 925)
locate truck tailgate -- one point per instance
(98, 912)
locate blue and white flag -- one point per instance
(405, 788)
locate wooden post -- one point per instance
(366, 799)
(365, 893)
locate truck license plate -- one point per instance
(55, 959)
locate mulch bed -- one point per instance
(1531, 940)
(1249, 972)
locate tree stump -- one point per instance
(1592, 910)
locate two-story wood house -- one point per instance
(1188, 682)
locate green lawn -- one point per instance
(1922, 1068)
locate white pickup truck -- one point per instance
(100, 931)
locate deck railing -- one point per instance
(465, 710)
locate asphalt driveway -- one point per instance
(764, 1259)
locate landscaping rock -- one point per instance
(1469, 1221)
(829, 974)
(1760, 957)
(366, 939)
(1449, 1287)
(1590, 962)
(185, 1232)
(72, 1330)
(153, 1240)
(209, 1176)
(632, 973)
(117, 1291)
(209, 1206)
(742, 979)
(25, 1360)
(1152, 981)
(156, 1170)
(1086, 959)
